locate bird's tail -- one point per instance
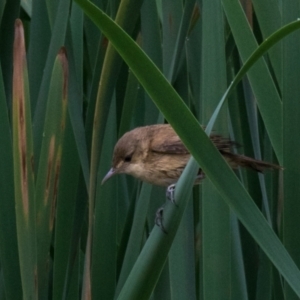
(236, 160)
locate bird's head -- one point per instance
(128, 155)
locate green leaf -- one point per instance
(57, 40)
(49, 167)
(264, 88)
(216, 259)
(291, 142)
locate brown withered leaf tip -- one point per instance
(62, 56)
(18, 59)
(19, 109)
(19, 42)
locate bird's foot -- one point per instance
(159, 219)
(170, 193)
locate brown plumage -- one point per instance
(155, 154)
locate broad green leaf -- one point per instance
(49, 167)
(105, 238)
(291, 142)
(40, 35)
(57, 40)
(67, 223)
(216, 259)
(267, 97)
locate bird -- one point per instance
(155, 154)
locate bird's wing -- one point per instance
(223, 144)
(170, 144)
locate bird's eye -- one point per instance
(127, 158)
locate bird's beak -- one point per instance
(110, 173)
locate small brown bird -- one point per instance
(155, 154)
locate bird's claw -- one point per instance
(170, 194)
(159, 219)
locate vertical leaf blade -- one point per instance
(23, 167)
(291, 144)
(8, 233)
(49, 165)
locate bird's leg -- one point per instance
(200, 176)
(159, 220)
(170, 193)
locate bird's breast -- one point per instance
(161, 169)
